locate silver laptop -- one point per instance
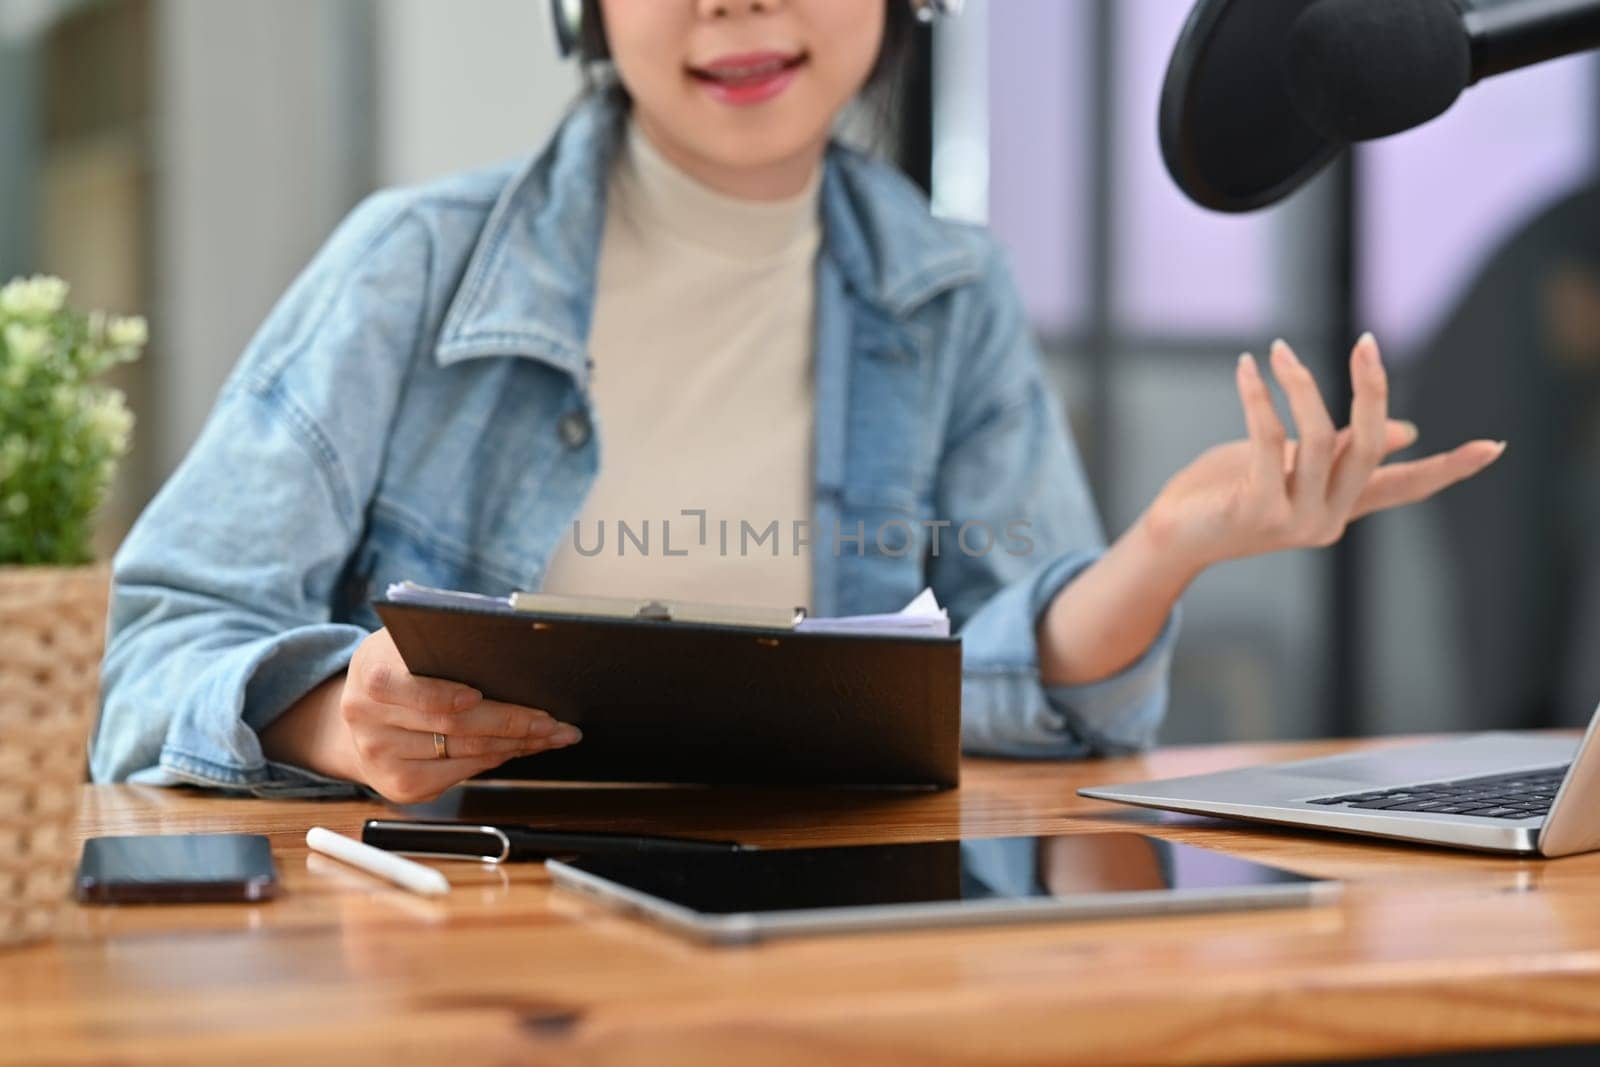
(1502, 792)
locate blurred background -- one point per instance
(184, 158)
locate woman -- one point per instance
(759, 327)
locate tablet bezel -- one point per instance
(746, 927)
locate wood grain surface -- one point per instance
(1429, 950)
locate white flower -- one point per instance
(28, 345)
(130, 332)
(111, 421)
(37, 297)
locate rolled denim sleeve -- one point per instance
(1005, 709)
(223, 592)
(1010, 464)
(219, 617)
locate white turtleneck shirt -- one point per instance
(701, 386)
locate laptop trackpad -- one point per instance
(1466, 758)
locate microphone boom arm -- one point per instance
(1512, 34)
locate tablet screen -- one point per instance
(1009, 868)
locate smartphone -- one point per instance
(177, 868)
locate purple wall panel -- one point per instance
(1438, 200)
(1039, 124)
(1179, 269)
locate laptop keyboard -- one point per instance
(1524, 795)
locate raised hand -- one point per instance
(1268, 492)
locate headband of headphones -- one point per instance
(568, 16)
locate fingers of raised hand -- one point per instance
(1406, 483)
(1316, 437)
(1368, 431)
(1268, 438)
(1398, 435)
(1306, 491)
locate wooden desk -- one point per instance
(1430, 950)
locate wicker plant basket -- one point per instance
(52, 631)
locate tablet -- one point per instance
(749, 896)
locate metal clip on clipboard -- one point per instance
(493, 844)
(923, 617)
(651, 609)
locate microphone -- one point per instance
(1230, 136)
(1363, 69)
(1261, 95)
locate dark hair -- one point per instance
(881, 91)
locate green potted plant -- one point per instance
(62, 433)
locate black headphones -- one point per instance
(568, 16)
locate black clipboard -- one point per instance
(685, 702)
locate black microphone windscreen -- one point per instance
(1359, 69)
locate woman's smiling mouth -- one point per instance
(748, 78)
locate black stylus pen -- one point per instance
(498, 844)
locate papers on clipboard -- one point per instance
(923, 617)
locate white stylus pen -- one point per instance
(386, 865)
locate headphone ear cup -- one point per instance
(567, 17)
(928, 10)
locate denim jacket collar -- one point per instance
(529, 285)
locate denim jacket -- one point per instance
(415, 407)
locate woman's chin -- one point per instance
(742, 146)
